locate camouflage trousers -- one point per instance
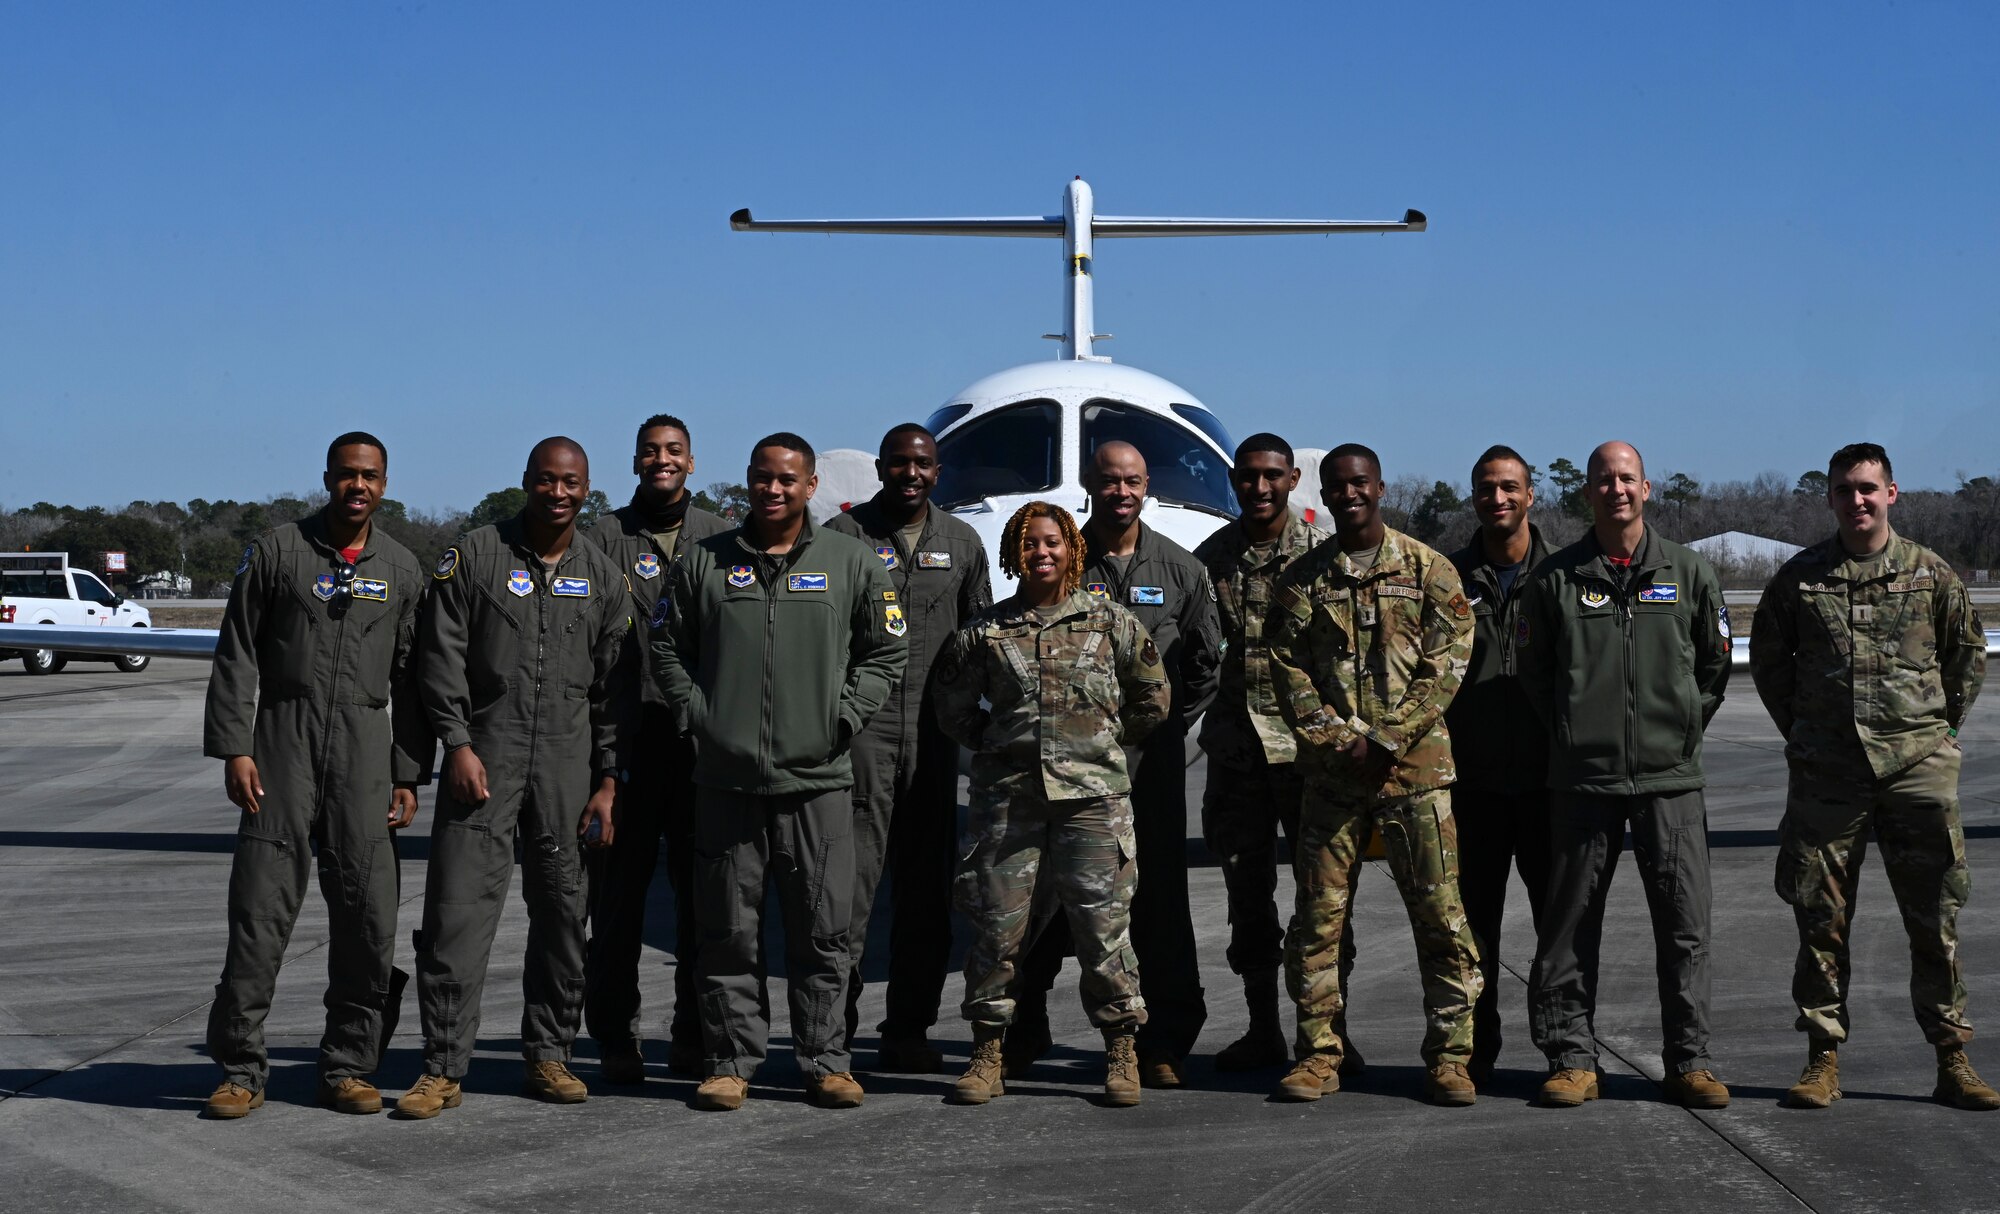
(1025, 859)
(1421, 843)
(1821, 845)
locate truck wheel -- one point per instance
(42, 661)
(132, 663)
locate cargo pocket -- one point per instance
(1798, 864)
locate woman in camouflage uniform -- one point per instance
(1072, 679)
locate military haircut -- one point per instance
(361, 438)
(662, 419)
(1017, 528)
(788, 441)
(556, 442)
(905, 428)
(1859, 453)
(1345, 450)
(1263, 440)
(1498, 451)
(1591, 463)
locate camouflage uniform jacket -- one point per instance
(1376, 655)
(1070, 686)
(1245, 721)
(1865, 666)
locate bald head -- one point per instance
(1623, 454)
(1117, 453)
(557, 443)
(1116, 482)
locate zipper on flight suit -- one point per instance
(332, 705)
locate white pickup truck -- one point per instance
(42, 588)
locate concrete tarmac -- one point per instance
(115, 844)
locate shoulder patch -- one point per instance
(1460, 609)
(446, 566)
(893, 621)
(248, 553)
(661, 610)
(1722, 623)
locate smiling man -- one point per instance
(1867, 653)
(642, 538)
(1625, 657)
(315, 645)
(521, 674)
(779, 641)
(905, 766)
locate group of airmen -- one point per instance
(781, 704)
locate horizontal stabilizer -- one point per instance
(1002, 225)
(1102, 226)
(1108, 226)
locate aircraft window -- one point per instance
(1209, 424)
(1012, 450)
(90, 590)
(943, 418)
(1182, 469)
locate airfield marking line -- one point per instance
(77, 691)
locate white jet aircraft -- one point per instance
(1029, 431)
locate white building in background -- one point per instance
(1743, 548)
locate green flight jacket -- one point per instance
(1170, 593)
(1866, 666)
(1245, 727)
(314, 680)
(523, 665)
(940, 584)
(644, 558)
(777, 661)
(1375, 654)
(1497, 738)
(1072, 686)
(1625, 668)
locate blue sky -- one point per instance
(1738, 235)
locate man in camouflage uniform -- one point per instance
(1370, 637)
(1071, 685)
(1867, 652)
(1254, 787)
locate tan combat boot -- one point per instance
(1696, 1090)
(1161, 1070)
(1958, 1085)
(1568, 1087)
(1313, 1076)
(982, 1079)
(433, 1094)
(624, 1065)
(838, 1090)
(721, 1093)
(550, 1080)
(1449, 1084)
(232, 1100)
(1121, 1069)
(1819, 1083)
(349, 1094)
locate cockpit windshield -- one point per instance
(1008, 451)
(1182, 469)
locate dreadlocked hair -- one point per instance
(1017, 527)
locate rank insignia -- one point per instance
(888, 555)
(1149, 596)
(324, 586)
(1661, 592)
(520, 583)
(571, 587)
(741, 576)
(1098, 589)
(647, 566)
(892, 619)
(800, 582)
(1594, 596)
(933, 560)
(375, 590)
(447, 564)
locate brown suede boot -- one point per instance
(982, 1080)
(1819, 1083)
(1448, 1084)
(1121, 1068)
(429, 1096)
(1696, 1090)
(1959, 1086)
(838, 1090)
(550, 1080)
(1568, 1087)
(232, 1100)
(349, 1094)
(721, 1093)
(1313, 1076)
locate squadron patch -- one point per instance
(892, 619)
(799, 583)
(1521, 631)
(324, 587)
(447, 565)
(888, 554)
(647, 566)
(1595, 596)
(1722, 623)
(661, 610)
(933, 560)
(375, 590)
(520, 583)
(1661, 592)
(571, 587)
(245, 562)
(741, 576)
(1149, 596)
(1098, 589)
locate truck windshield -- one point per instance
(1009, 451)
(1182, 469)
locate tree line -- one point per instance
(204, 540)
